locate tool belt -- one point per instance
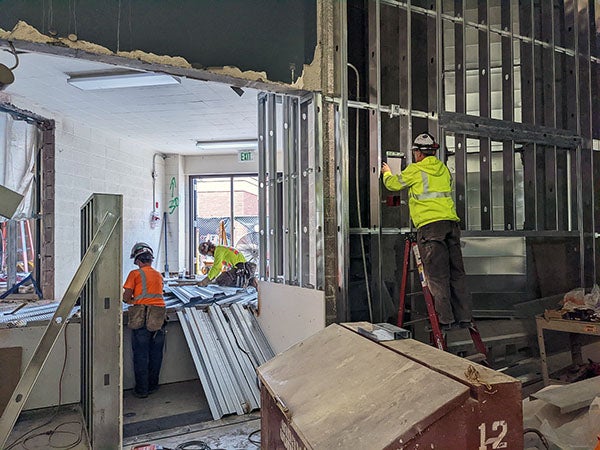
(153, 317)
(237, 276)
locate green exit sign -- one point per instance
(245, 155)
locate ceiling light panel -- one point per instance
(117, 80)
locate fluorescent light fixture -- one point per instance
(227, 145)
(90, 81)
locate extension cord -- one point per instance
(147, 447)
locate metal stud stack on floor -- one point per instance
(227, 346)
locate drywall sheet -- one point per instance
(289, 314)
(10, 361)
(571, 397)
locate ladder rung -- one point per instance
(412, 294)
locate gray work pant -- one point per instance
(439, 245)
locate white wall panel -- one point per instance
(289, 314)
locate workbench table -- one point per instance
(575, 328)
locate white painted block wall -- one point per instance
(88, 161)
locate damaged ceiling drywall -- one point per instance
(309, 79)
(270, 36)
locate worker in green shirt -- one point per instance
(229, 266)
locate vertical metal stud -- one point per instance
(460, 178)
(582, 52)
(287, 147)
(342, 159)
(459, 57)
(374, 154)
(527, 63)
(485, 180)
(319, 260)
(273, 190)
(262, 183)
(304, 210)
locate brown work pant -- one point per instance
(439, 245)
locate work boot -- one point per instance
(138, 395)
(446, 326)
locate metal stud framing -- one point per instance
(528, 118)
(291, 190)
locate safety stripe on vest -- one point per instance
(144, 293)
(400, 180)
(426, 194)
(432, 195)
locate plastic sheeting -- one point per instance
(18, 141)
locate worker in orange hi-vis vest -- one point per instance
(238, 272)
(146, 317)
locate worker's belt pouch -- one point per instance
(136, 316)
(156, 317)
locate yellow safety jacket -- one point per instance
(224, 256)
(429, 186)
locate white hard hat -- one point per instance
(425, 141)
(140, 248)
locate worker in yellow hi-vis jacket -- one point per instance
(432, 211)
(237, 272)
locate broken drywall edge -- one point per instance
(310, 79)
(237, 73)
(177, 61)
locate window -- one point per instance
(225, 212)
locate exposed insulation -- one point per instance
(85, 46)
(25, 32)
(310, 79)
(177, 61)
(237, 73)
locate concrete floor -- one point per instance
(177, 413)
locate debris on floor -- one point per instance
(566, 417)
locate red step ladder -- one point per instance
(410, 246)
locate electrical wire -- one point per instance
(55, 431)
(257, 443)
(540, 435)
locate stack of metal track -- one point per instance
(21, 317)
(175, 297)
(29, 314)
(201, 294)
(227, 345)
